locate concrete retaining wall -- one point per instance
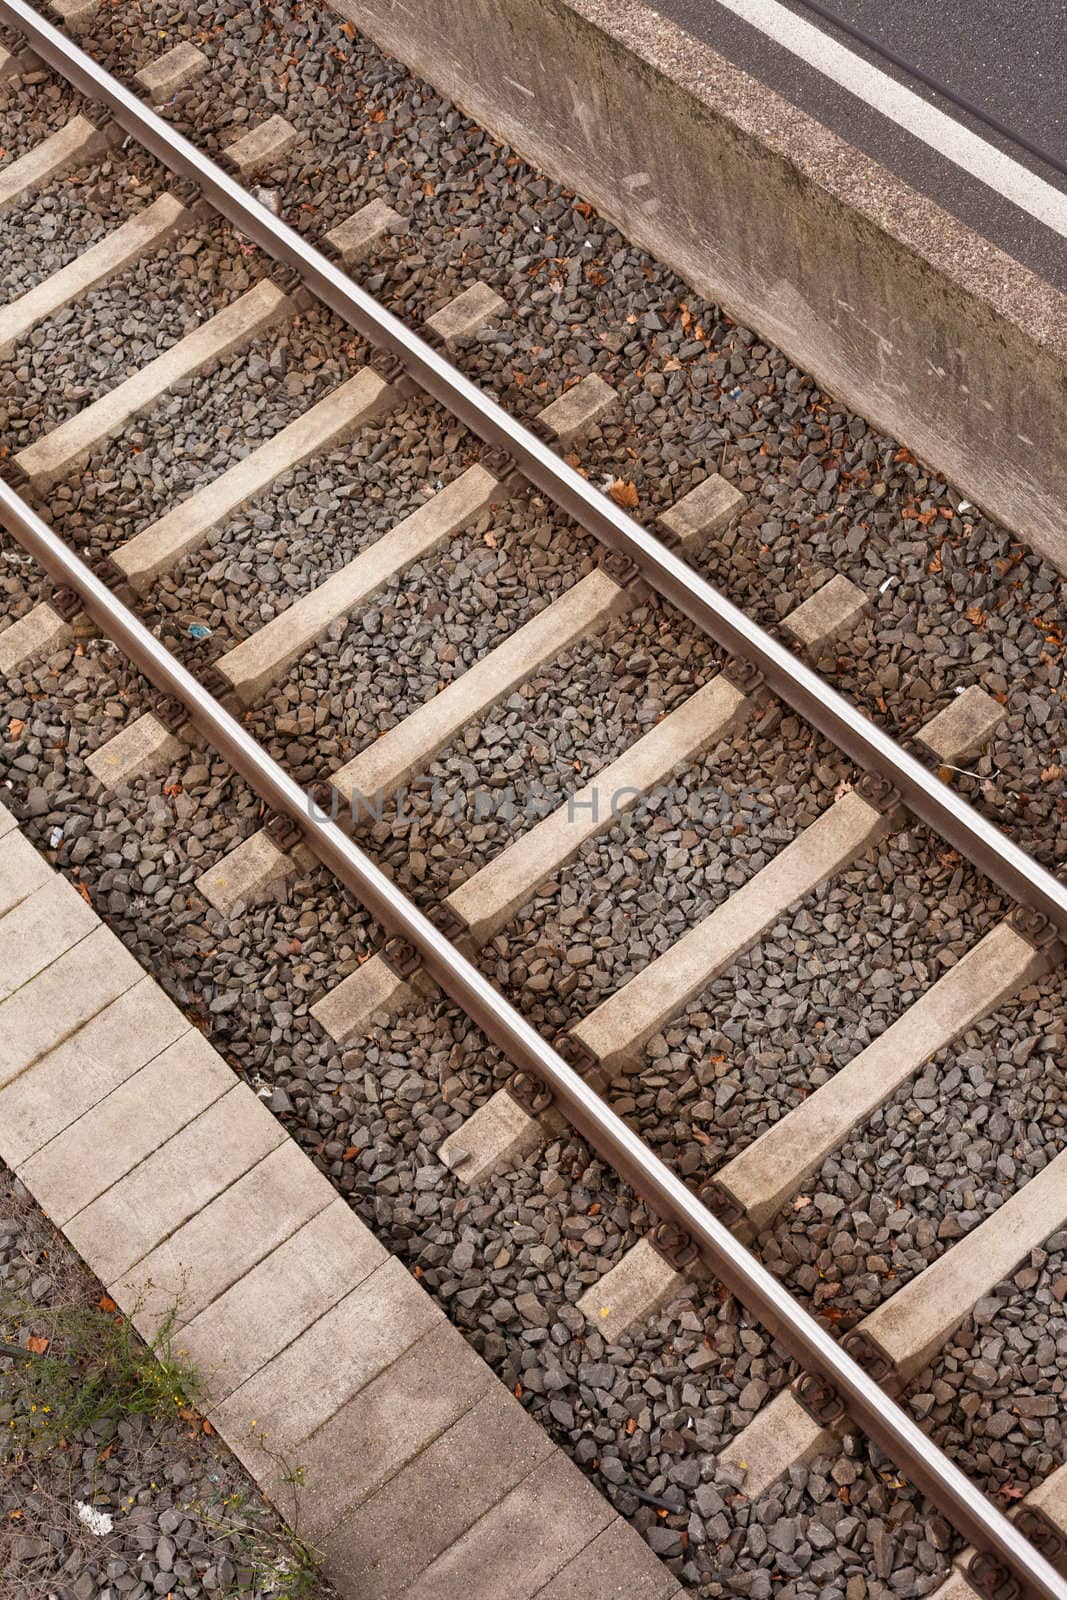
(925, 328)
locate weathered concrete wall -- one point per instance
(925, 328)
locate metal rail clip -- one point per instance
(678, 1248)
(529, 1093)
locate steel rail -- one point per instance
(964, 1505)
(793, 680)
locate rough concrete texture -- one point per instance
(836, 606)
(631, 1292)
(466, 313)
(499, 1132)
(38, 633)
(69, 146)
(579, 409)
(245, 874)
(705, 510)
(138, 748)
(966, 724)
(263, 146)
(170, 72)
(365, 230)
(930, 331)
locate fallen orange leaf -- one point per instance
(36, 1344)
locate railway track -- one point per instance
(586, 1052)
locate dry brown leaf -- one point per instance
(976, 615)
(37, 1344)
(15, 727)
(624, 494)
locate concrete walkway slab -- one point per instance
(509, 1447)
(64, 995)
(279, 1298)
(211, 1252)
(305, 1385)
(174, 1183)
(87, 1066)
(22, 871)
(153, 1103)
(38, 930)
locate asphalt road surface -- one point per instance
(1008, 60)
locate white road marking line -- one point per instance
(907, 109)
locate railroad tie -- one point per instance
(186, 1197)
(776, 1165)
(466, 313)
(831, 610)
(264, 657)
(76, 142)
(163, 77)
(184, 529)
(71, 441)
(491, 896)
(912, 1325)
(143, 232)
(263, 146)
(615, 1032)
(1041, 1517)
(364, 233)
(707, 509)
(40, 632)
(406, 749)
(578, 410)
